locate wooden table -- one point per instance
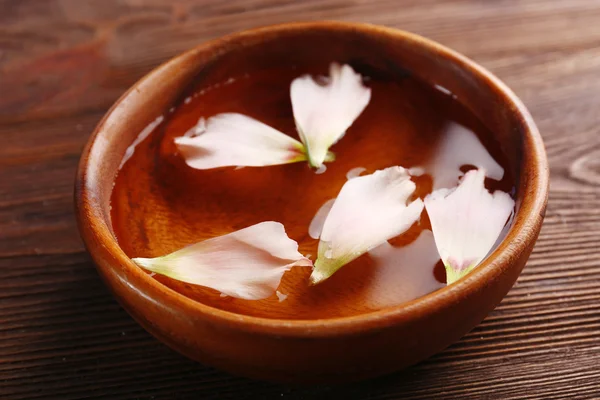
(64, 62)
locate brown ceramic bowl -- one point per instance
(322, 350)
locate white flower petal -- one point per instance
(369, 210)
(460, 146)
(232, 139)
(247, 264)
(316, 224)
(466, 222)
(323, 112)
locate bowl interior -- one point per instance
(385, 56)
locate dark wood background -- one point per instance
(64, 62)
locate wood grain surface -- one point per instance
(64, 62)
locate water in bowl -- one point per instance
(159, 204)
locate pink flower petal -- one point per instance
(232, 139)
(369, 210)
(247, 264)
(466, 222)
(323, 113)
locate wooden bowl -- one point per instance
(321, 350)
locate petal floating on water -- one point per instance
(246, 264)
(369, 210)
(232, 139)
(323, 112)
(316, 224)
(466, 222)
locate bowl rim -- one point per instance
(518, 238)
